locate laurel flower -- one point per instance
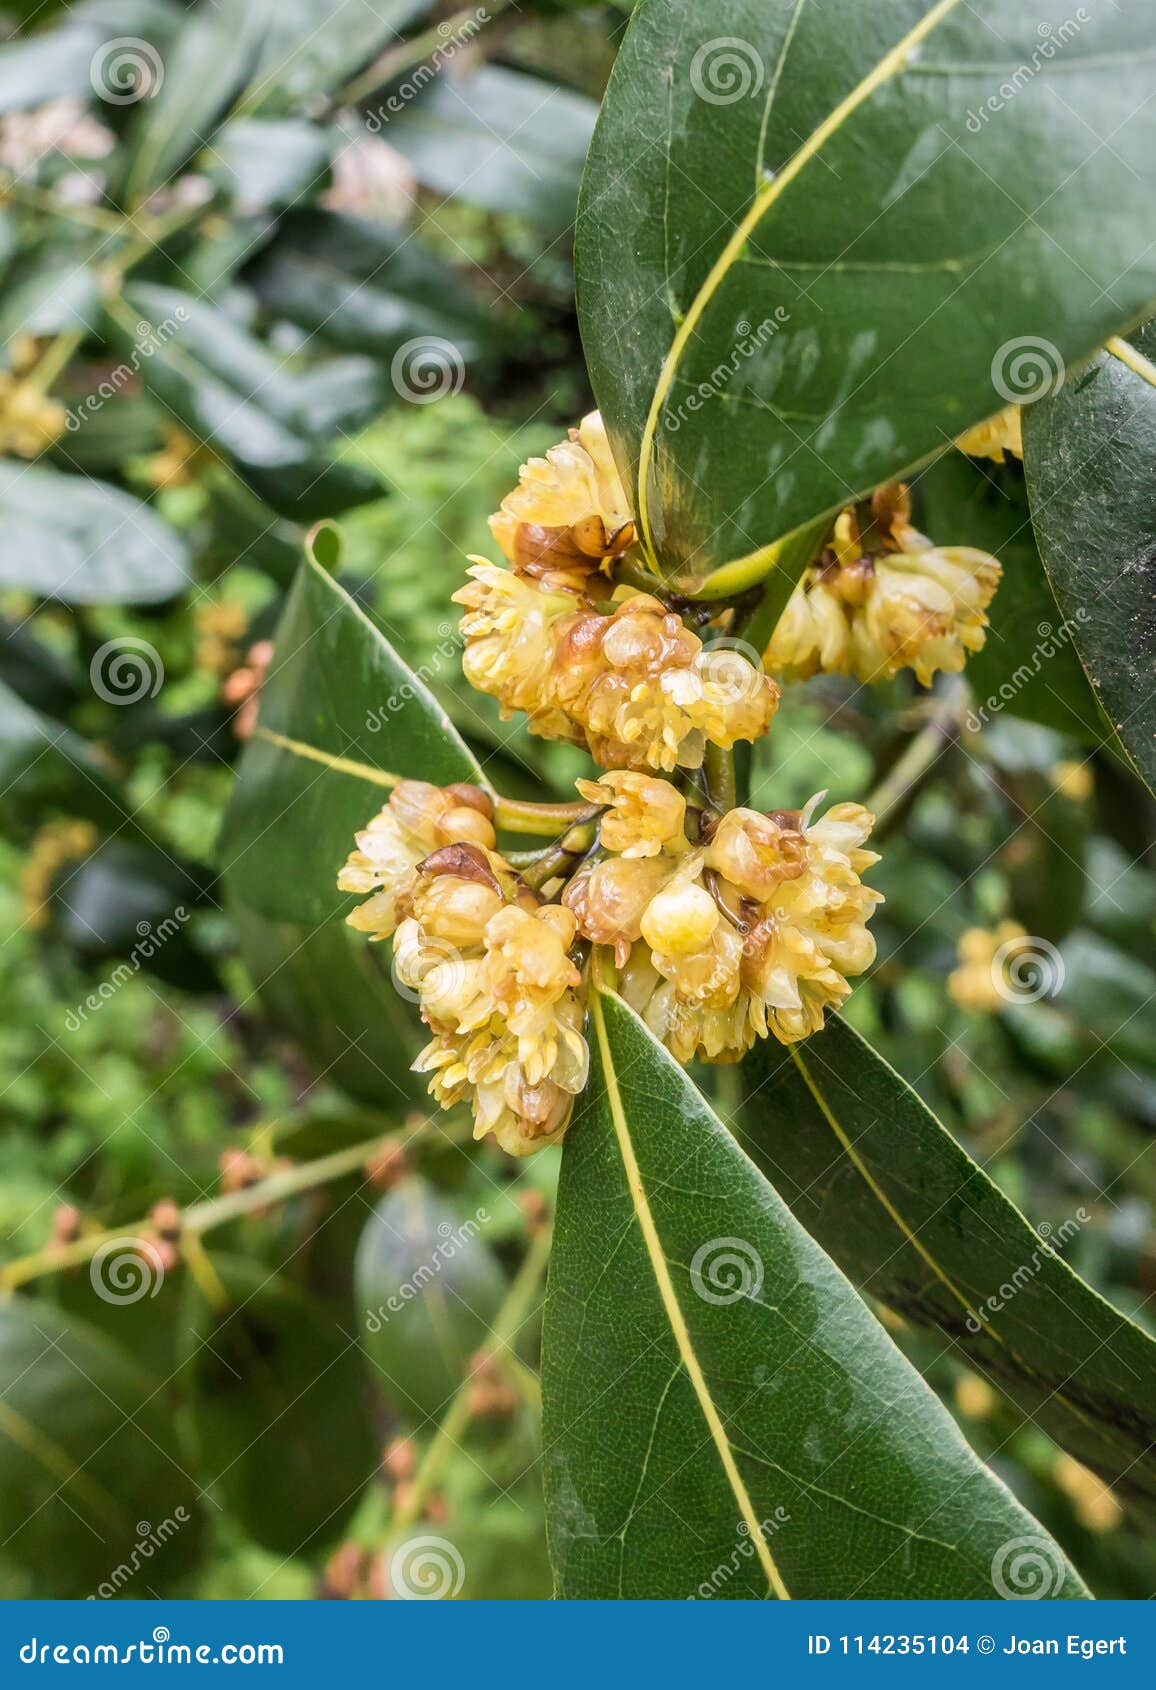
(511, 630)
(755, 930)
(417, 820)
(999, 436)
(645, 815)
(648, 693)
(910, 604)
(500, 994)
(569, 510)
(30, 422)
(977, 982)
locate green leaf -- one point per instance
(261, 163)
(365, 287)
(705, 1362)
(199, 77)
(1028, 665)
(330, 992)
(46, 766)
(1090, 456)
(229, 389)
(285, 1436)
(308, 51)
(90, 1466)
(498, 139)
(341, 717)
(810, 253)
(70, 538)
(912, 1220)
(427, 1287)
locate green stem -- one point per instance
(520, 815)
(511, 1317)
(200, 1218)
(907, 774)
(719, 768)
(406, 55)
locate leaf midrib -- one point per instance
(892, 61)
(672, 1308)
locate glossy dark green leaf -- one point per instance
(914, 1221)
(279, 1408)
(190, 89)
(1090, 455)
(705, 1362)
(262, 163)
(58, 61)
(308, 51)
(228, 389)
(66, 537)
(499, 139)
(91, 1470)
(44, 765)
(816, 240)
(364, 286)
(1028, 665)
(427, 1287)
(331, 992)
(341, 715)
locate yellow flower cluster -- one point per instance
(631, 682)
(488, 962)
(750, 930)
(30, 421)
(870, 613)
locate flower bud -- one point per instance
(680, 920)
(569, 510)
